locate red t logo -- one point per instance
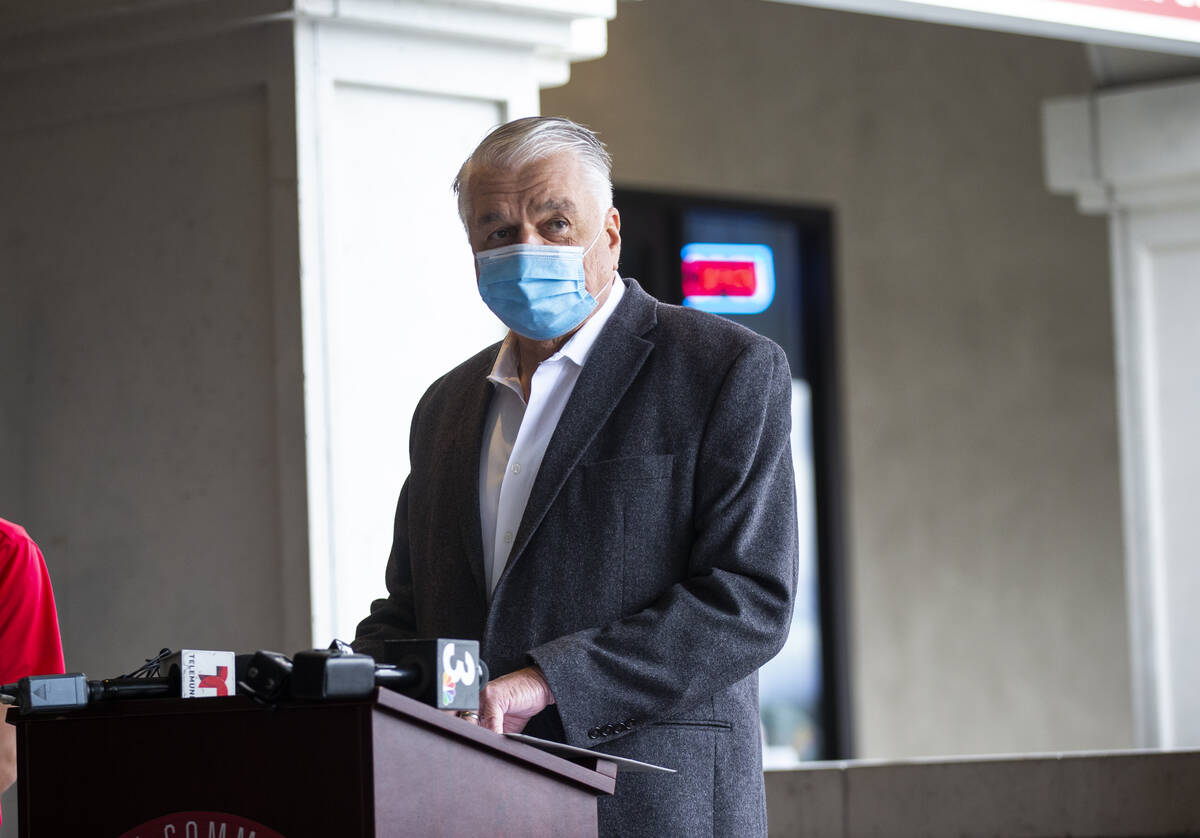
(215, 682)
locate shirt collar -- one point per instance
(580, 345)
(577, 349)
(504, 370)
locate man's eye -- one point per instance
(499, 234)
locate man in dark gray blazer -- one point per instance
(605, 500)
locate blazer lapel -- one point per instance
(462, 467)
(611, 367)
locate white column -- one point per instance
(1134, 155)
(391, 97)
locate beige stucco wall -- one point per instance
(985, 567)
(148, 359)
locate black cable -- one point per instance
(149, 669)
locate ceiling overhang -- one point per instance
(1155, 25)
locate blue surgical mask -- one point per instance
(537, 290)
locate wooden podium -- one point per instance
(387, 766)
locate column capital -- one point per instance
(566, 30)
(1127, 148)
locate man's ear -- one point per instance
(612, 226)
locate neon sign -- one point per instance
(728, 278)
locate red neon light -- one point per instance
(711, 278)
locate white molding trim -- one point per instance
(558, 31)
(1134, 154)
(1132, 148)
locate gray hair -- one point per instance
(522, 141)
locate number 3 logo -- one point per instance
(458, 670)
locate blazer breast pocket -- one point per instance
(644, 520)
(625, 469)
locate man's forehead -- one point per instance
(496, 208)
(556, 182)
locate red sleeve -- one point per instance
(29, 639)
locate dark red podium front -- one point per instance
(177, 768)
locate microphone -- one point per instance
(48, 693)
(202, 674)
(325, 674)
(191, 673)
(265, 675)
(443, 673)
(446, 674)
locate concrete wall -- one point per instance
(1109, 795)
(151, 415)
(151, 410)
(986, 575)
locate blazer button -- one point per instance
(594, 733)
(629, 723)
(608, 730)
(620, 727)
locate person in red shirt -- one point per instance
(29, 639)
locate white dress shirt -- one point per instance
(515, 434)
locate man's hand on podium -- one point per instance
(508, 703)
